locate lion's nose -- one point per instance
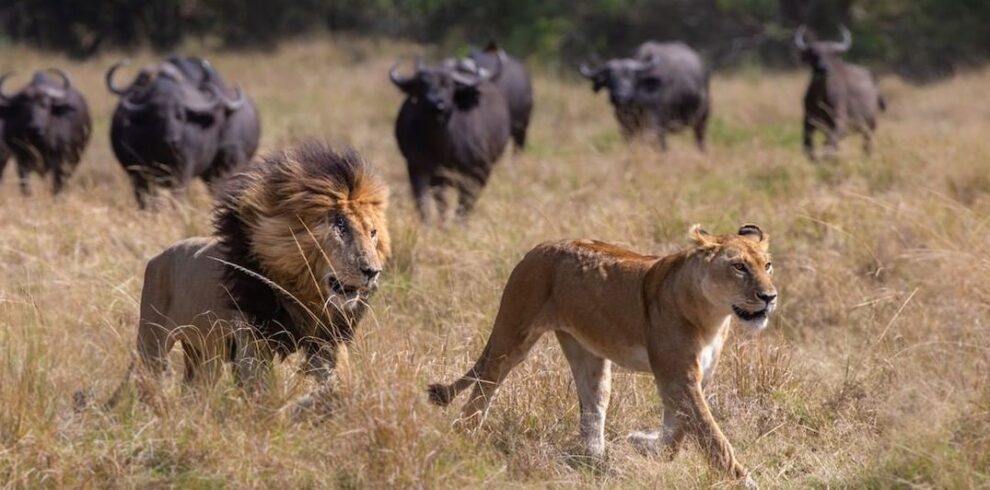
(767, 297)
(370, 273)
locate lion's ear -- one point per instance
(700, 237)
(753, 232)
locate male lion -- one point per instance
(300, 241)
(666, 315)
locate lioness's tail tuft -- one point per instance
(441, 394)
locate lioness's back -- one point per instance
(580, 281)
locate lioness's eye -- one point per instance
(374, 233)
(769, 267)
(741, 267)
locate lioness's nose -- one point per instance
(370, 273)
(767, 297)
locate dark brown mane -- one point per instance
(309, 174)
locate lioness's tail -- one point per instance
(442, 395)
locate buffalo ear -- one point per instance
(700, 236)
(406, 86)
(599, 82)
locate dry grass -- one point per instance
(873, 374)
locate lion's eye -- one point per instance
(769, 267)
(740, 267)
(374, 233)
(340, 222)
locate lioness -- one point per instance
(666, 315)
(300, 241)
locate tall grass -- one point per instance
(873, 373)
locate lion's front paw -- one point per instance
(647, 442)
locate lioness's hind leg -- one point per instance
(505, 354)
(593, 380)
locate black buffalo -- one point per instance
(452, 128)
(166, 130)
(841, 96)
(664, 88)
(515, 84)
(46, 125)
(241, 131)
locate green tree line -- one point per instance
(918, 38)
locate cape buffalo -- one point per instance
(453, 126)
(663, 89)
(46, 125)
(515, 84)
(241, 131)
(841, 96)
(165, 130)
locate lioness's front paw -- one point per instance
(750, 484)
(595, 448)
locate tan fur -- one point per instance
(607, 304)
(288, 215)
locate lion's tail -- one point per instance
(441, 394)
(83, 399)
(118, 393)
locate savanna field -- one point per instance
(873, 373)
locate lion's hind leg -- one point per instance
(154, 342)
(593, 380)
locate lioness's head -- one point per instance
(739, 275)
(315, 222)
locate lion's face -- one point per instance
(352, 265)
(740, 275)
(320, 235)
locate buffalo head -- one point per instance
(34, 106)
(445, 86)
(622, 77)
(166, 101)
(819, 54)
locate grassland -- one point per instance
(874, 373)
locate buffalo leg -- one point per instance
(421, 194)
(23, 175)
(832, 136)
(519, 137)
(700, 130)
(142, 191)
(438, 188)
(58, 180)
(467, 196)
(662, 138)
(3, 164)
(809, 139)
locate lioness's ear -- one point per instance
(701, 237)
(754, 233)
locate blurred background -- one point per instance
(917, 39)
